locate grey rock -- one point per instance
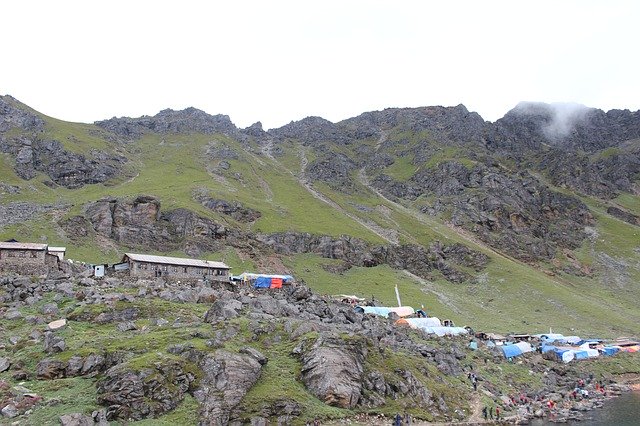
(255, 354)
(12, 314)
(135, 395)
(127, 326)
(76, 419)
(227, 378)
(74, 366)
(10, 411)
(223, 308)
(5, 364)
(332, 370)
(53, 343)
(50, 309)
(50, 368)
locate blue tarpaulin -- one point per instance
(581, 354)
(609, 351)
(511, 351)
(262, 282)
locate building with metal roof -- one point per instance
(27, 258)
(151, 266)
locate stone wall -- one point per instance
(153, 270)
(24, 262)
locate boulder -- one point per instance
(127, 326)
(255, 354)
(332, 370)
(53, 343)
(50, 309)
(148, 393)
(76, 419)
(57, 324)
(5, 364)
(12, 314)
(10, 411)
(227, 378)
(49, 369)
(223, 308)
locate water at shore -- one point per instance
(620, 411)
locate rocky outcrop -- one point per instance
(139, 222)
(227, 377)
(12, 116)
(417, 259)
(64, 168)
(233, 209)
(624, 215)
(332, 370)
(190, 120)
(569, 126)
(132, 395)
(512, 212)
(334, 169)
(403, 384)
(445, 124)
(311, 130)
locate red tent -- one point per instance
(276, 283)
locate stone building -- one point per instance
(149, 266)
(27, 258)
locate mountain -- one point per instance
(524, 225)
(527, 223)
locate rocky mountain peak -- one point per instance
(189, 120)
(567, 125)
(311, 130)
(11, 116)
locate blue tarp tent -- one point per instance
(609, 351)
(581, 354)
(511, 351)
(548, 348)
(262, 282)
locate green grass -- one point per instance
(629, 202)
(62, 396)
(402, 169)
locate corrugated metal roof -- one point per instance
(23, 246)
(176, 261)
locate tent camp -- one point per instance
(263, 280)
(401, 311)
(419, 322)
(610, 350)
(431, 326)
(516, 349)
(557, 353)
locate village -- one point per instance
(35, 259)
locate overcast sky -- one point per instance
(277, 61)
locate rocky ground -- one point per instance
(78, 351)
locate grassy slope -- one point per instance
(507, 296)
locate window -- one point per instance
(34, 254)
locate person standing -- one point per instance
(484, 412)
(491, 412)
(398, 421)
(498, 412)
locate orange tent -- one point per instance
(276, 283)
